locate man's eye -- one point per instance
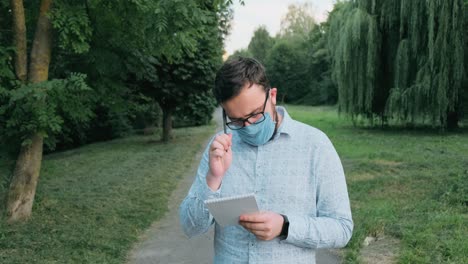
(235, 122)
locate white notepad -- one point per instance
(226, 210)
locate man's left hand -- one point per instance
(264, 225)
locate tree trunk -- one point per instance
(28, 165)
(452, 120)
(167, 123)
(24, 182)
(19, 40)
(42, 46)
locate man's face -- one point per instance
(250, 101)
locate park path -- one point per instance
(165, 242)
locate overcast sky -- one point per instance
(265, 12)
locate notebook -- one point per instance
(226, 210)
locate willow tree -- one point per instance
(399, 59)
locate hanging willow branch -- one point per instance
(399, 59)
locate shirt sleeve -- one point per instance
(332, 226)
(194, 216)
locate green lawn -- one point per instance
(94, 201)
(410, 184)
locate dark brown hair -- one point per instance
(235, 74)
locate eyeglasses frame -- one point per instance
(225, 123)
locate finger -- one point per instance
(220, 143)
(256, 218)
(217, 145)
(219, 153)
(226, 139)
(253, 226)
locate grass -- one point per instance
(94, 201)
(409, 184)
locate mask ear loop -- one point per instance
(275, 120)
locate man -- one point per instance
(292, 168)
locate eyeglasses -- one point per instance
(253, 119)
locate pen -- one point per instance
(224, 122)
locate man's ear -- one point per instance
(273, 93)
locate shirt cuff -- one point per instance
(298, 227)
(206, 193)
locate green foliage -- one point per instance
(42, 108)
(181, 83)
(288, 71)
(72, 25)
(260, 44)
(5, 24)
(299, 63)
(298, 22)
(354, 58)
(117, 45)
(399, 60)
(7, 75)
(145, 112)
(198, 110)
(297, 60)
(241, 53)
(322, 90)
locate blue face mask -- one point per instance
(258, 134)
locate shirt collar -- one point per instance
(286, 126)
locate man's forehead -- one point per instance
(245, 103)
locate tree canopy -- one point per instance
(70, 72)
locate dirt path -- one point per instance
(165, 242)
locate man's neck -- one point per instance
(278, 118)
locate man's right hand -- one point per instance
(220, 156)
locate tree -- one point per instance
(111, 41)
(181, 82)
(260, 44)
(33, 104)
(297, 61)
(287, 69)
(322, 89)
(399, 59)
(298, 22)
(242, 53)
(26, 173)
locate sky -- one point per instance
(265, 12)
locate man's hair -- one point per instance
(235, 74)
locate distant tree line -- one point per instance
(296, 59)
(384, 61)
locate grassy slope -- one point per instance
(409, 184)
(93, 202)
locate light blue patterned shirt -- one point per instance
(299, 174)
